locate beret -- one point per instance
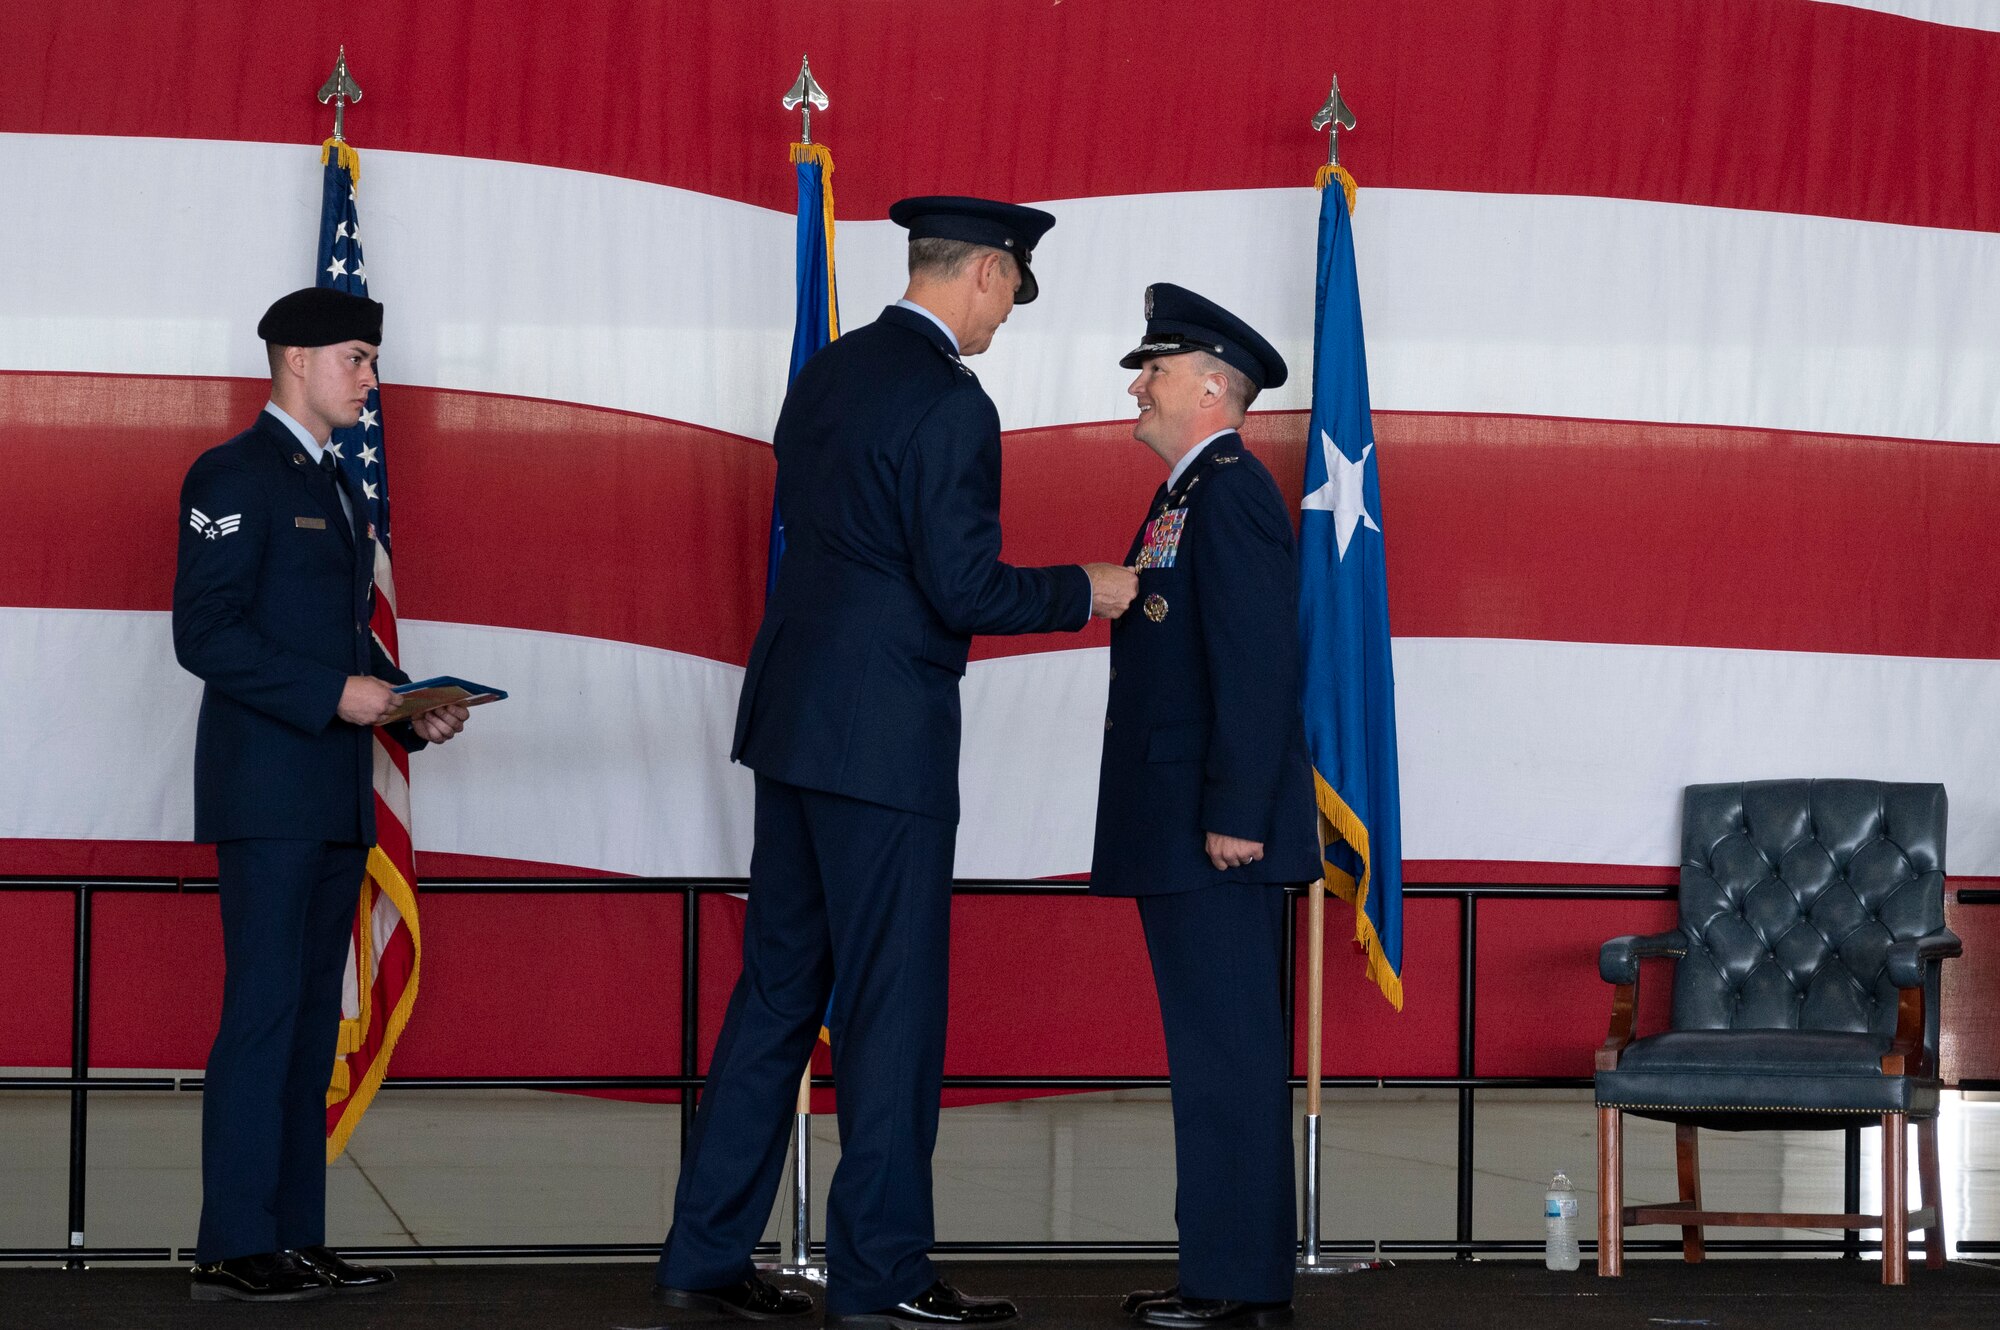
(321, 316)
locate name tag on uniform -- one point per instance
(1163, 540)
(310, 523)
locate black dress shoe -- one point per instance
(271, 1277)
(938, 1305)
(754, 1299)
(1184, 1313)
(345, 1276)
(1134, 1301)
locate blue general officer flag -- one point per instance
(1349, 681)
(817, 318)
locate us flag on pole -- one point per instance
(383, 953)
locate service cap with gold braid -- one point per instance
(1007, 227)
(1179, 321)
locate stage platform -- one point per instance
(1079, 1295)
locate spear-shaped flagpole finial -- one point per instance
(1334, 117)
(340, 89)
(806, 95)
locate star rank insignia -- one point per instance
(213, 528)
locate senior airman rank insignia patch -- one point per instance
(1163, 540)
(213, 528)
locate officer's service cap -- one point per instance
(1179, 321)
(1004, 226)
(321, 316)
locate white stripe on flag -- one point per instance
(1520, 304)
(614, 756)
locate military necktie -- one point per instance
(331, 469)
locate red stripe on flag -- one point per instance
(1567, 530)
(1745, 105)
(393, 837)
(39, 857)
(399, 757)
(382, 623)
(1601, 531)
(651, 522)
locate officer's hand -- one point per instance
(1111, 589)
(1229, 852)
(438, 726)
(366, 700)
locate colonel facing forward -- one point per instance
(889, 482)
(1205, 806)
(272, 596)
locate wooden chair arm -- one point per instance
(1624, 1018)
(1907, 1055)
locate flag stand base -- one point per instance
(801, 1266)
(1310, 1261)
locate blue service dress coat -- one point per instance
(1203, 730)
(888, 460)
(272, 595)
(889, 485)
(1203, 733)
(273, 589)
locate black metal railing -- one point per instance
(80, 1083)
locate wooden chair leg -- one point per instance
(1930, 1193)
(1687, 1158)
(1610, 1193)
(1895, 1198)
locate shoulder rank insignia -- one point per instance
(213, 528)
(1225, 461)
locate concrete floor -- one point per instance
(503, 1167)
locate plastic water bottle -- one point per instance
(1559, 1208)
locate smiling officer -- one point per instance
(1205, 806)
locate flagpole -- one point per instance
(801, 1263)
(1333, 117)
(805, 95)
(1309, 1261)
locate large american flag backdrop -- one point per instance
(1683, 338)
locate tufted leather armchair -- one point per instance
(1805, 996)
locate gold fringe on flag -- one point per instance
(1338, 822)
(821, 156)
(343, 152)
(1330, 173)
(385, 877)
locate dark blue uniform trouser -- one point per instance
(848, 890)
(287, 912)
(1217, 964)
